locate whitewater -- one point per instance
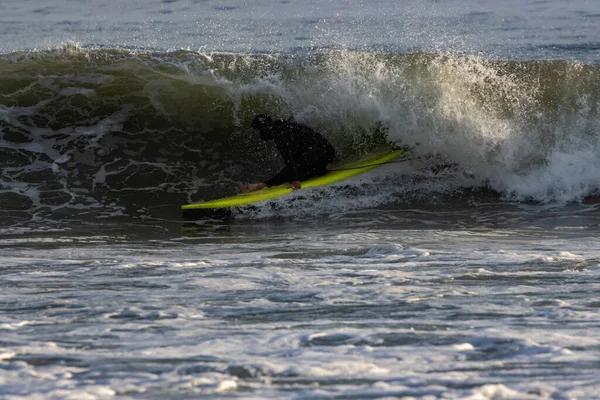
(468, 271)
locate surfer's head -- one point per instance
(263, 125)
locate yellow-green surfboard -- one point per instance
(339, 173)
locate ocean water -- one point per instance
(468, 270)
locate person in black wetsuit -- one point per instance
(305, 152)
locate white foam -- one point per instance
(463, 347)
(428, 313)
(497, 392)
(465, 108)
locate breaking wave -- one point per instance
(115, 132)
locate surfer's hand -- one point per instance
(296, 185)
(253, 187)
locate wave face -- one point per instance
(115, 132)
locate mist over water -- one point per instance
(467, 271)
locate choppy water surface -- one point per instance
(352, 309)
(469, 271)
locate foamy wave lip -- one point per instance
(14, 325)
(503, 348)
(381, 390)
(345, 338)
(59, 382)
(496, 392)
(396, 250)
(129, 313)
(484, 258)
(463, 347)
(560, 257)
(339, 368)
(211, 382)
(569, 175)
(7, 355)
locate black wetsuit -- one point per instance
(305, 152)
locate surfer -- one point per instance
(305, 152)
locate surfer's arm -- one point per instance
(282, 177)
(290, 171)
(286, 175)
(286, 141)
